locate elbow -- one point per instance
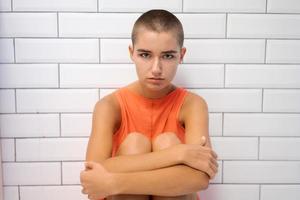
(202, 181)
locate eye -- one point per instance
(144, 55)
(168, 56)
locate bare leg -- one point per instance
(134, 143)
(163, 141)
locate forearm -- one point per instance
(144, 162)
(170, 181)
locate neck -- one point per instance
(153, 94)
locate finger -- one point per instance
(203, 141)
(89, 165)
(84, 191)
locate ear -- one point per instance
(130, 49)
(182, 53)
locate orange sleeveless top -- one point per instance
(149, 117)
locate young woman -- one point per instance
(150, 138)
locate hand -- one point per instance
(96, 181)
(201, 158)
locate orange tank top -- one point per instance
(149, 117)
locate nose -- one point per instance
(156, 67)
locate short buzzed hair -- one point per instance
(158, 21)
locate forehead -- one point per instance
(156, 41)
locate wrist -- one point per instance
(117, 184)
(179, 153)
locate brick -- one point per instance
(282, 100)
(28, 75)
(197, 75)
(96, 24)
(56, 100)
(261, 172)
(7, 101)
(263, 26)
(231, 100)
(278, 192)
(52, 192)
(283, 6)
(29, 125)
(212, 25)
(262, 76)
(8, 149)
(115, 51)
(71, 172)
(139, 5)
(55, 5)
(279, 148)
(28, 25)
(231, 192)
(93, 75)
(230, 148)
(224, 6)
(10, 193)
(224, 51)
(262, 124)
(57, 50)
(31, 173)
(5, 5)
(7, 51)
(283, 51)
(51, 149)
(76, 124)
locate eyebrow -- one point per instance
(147, 51)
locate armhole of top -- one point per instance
(182, 99)
(118, 97)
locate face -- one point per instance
(156, 57)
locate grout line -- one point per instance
(266, 10)
(262, 99)
(61, 172)
(226, 25)
(99, 50)
(16, 108)
(59, 118)
(259, 192)
(182, 4)
(58, 78)
(223, 119)
(14, 46)
(224, 81)
(19, 192)
(11, 6)
(265, 56)
(98, 10)
(258, 149)
(57, 24)
(15, 149)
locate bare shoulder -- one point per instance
(108, 108)
(193, 103)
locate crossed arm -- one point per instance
(178, 170)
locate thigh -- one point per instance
(134, 143)
(163, 141)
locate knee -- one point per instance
(165, 140)
(134, 143)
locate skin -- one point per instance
(189, 166)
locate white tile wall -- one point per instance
(57, 50)
(262, 76)
(55, 5)
(56, 100)
(231, 100)
(283, 6)
(277, 192)
(6, 51)
(139, 5)
(279, 148)
(58, 57)
(224, 5)
(263, 26)
(7, 101)
(224, 51)
(11, 193)
(261, 124)
(8, 149)
(261, 172)
(28, 25)
(28, 75)
(283, 51)
(29, 125)
(51, 149)
(5, 5)
(52, 192)
(31, 173)
(282, 100)
(231, 192)
(76, 125)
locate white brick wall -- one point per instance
(58, 57)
